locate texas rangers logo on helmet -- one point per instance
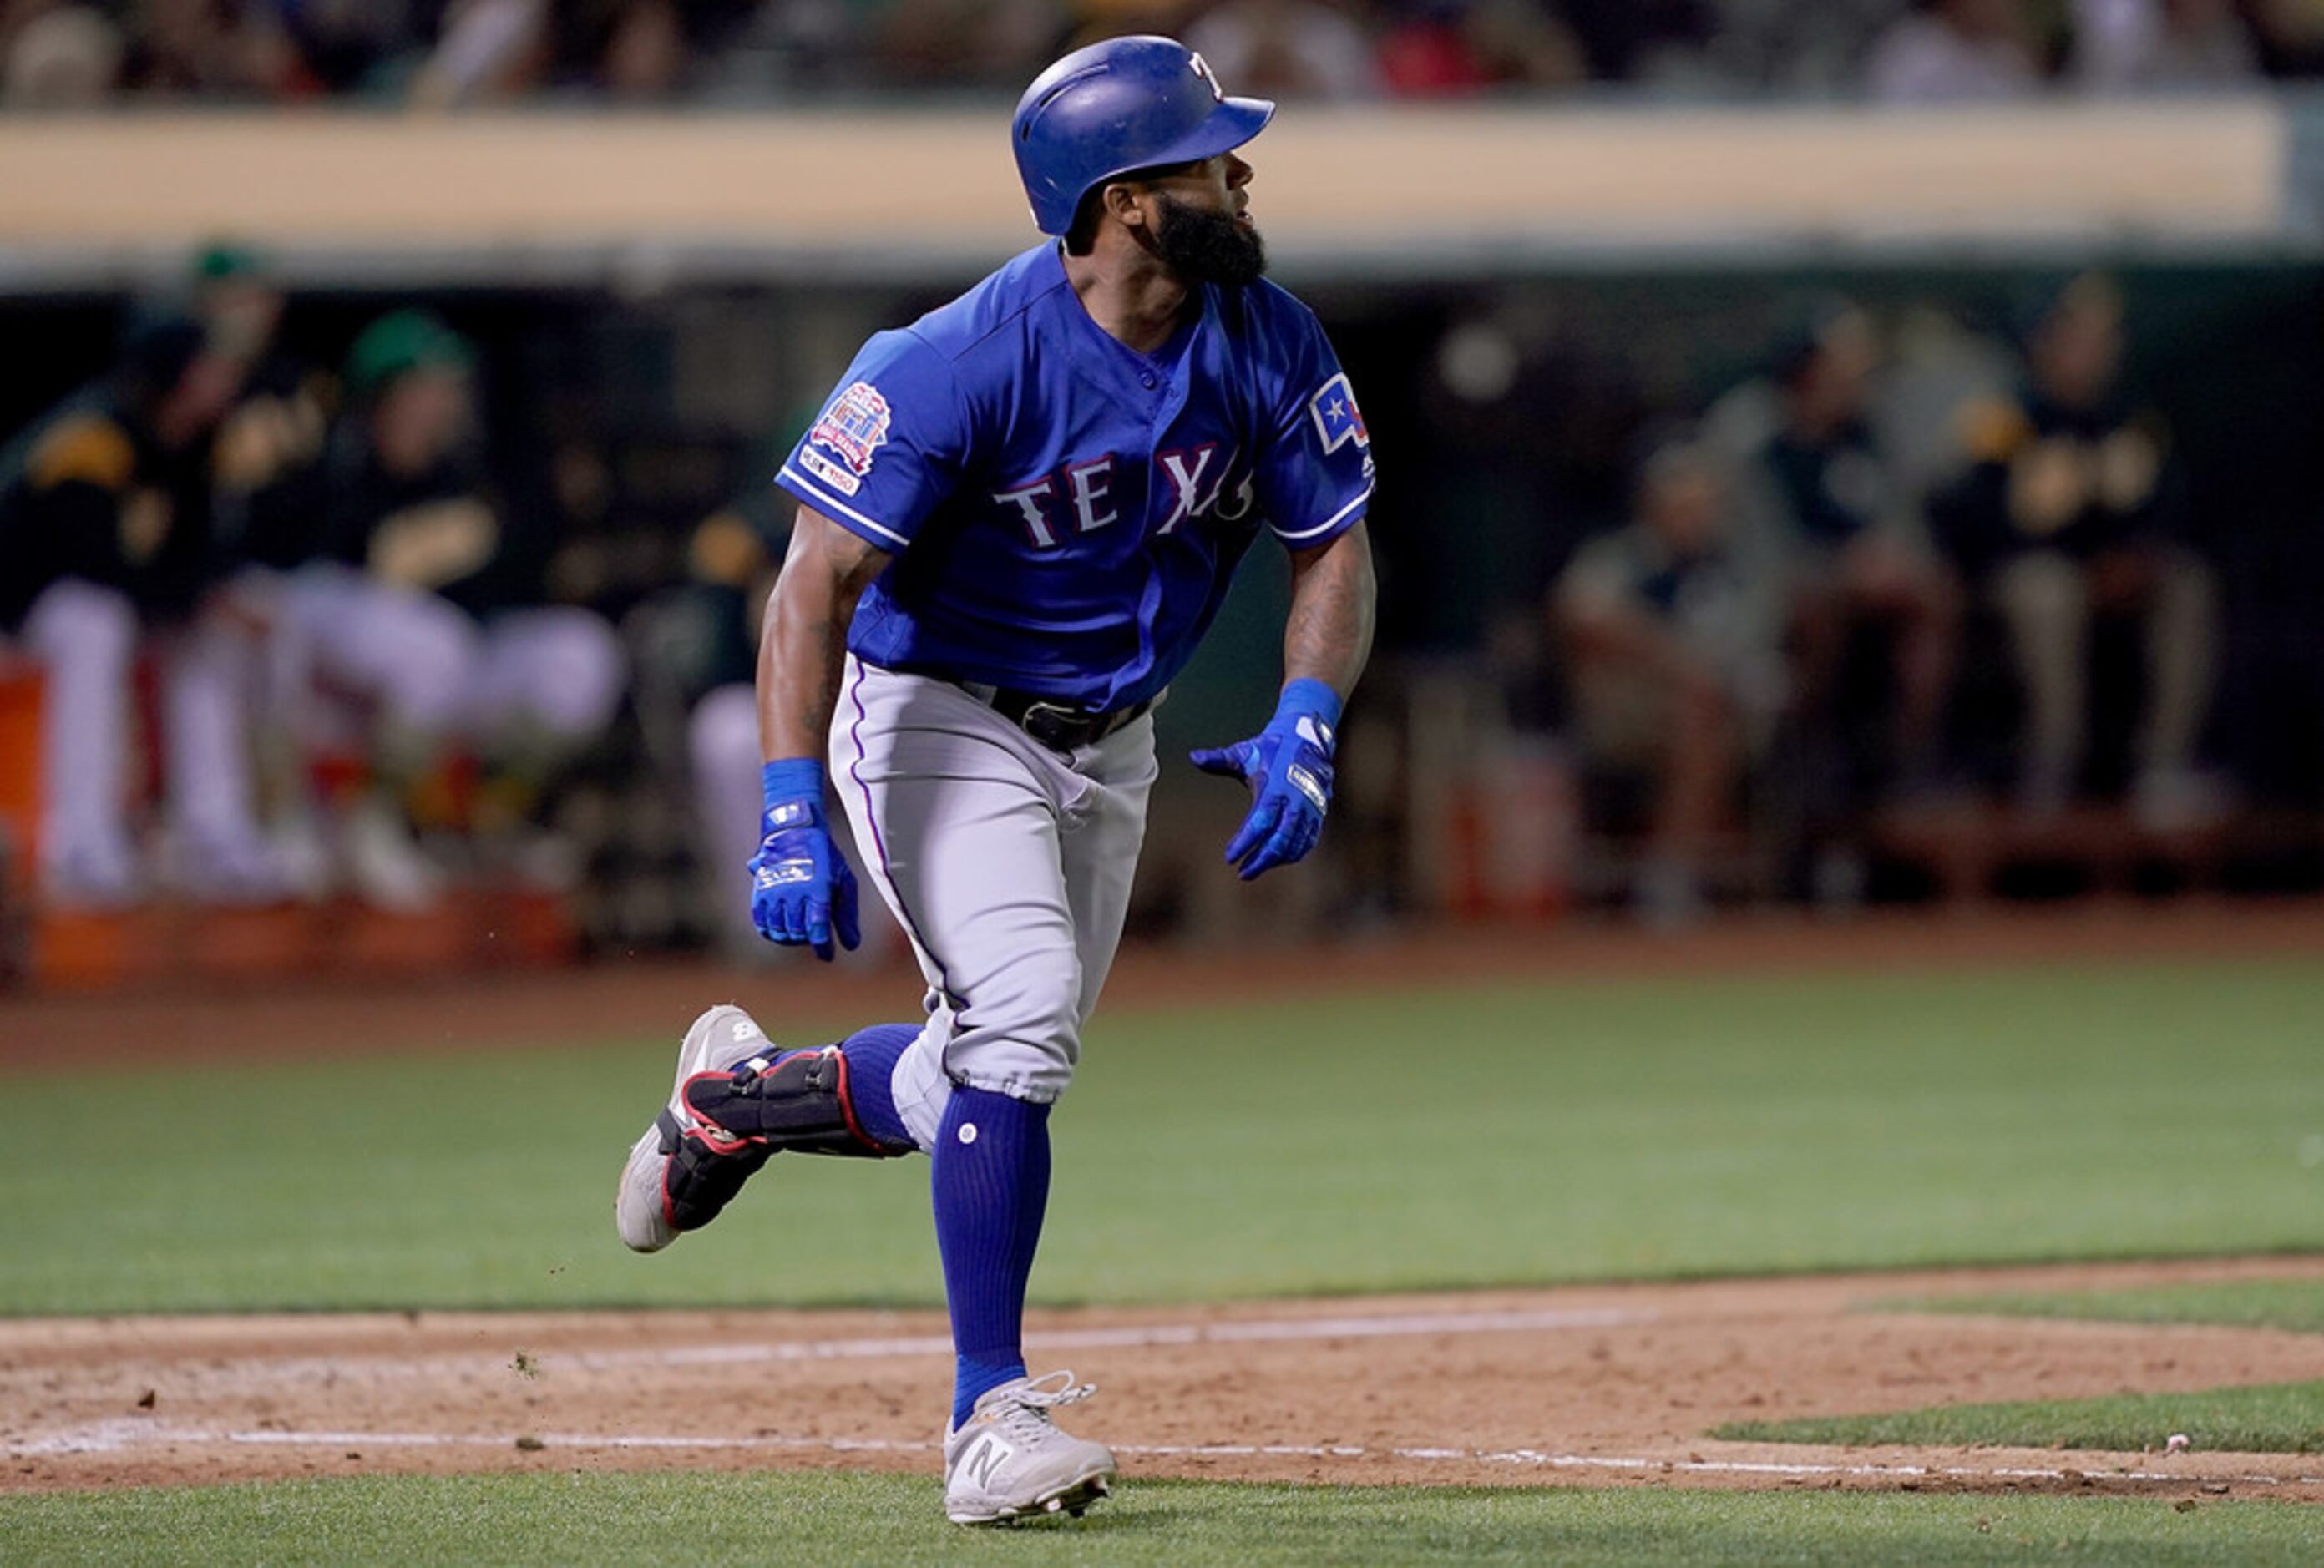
(853, 426)
(1202, 67)
(1337, 419)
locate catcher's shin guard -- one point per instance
(699, 1181)
(737, 1121)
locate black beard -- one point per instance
(1203, 246)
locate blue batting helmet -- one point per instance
(1128, 103)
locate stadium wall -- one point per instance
(557, 197)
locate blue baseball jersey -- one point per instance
(1066, 512)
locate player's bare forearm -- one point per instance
(803, 646)
(1328, 636)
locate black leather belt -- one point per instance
(1059, 725)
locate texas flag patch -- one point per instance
(1337, 420)
(854, 425)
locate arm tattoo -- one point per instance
(820, 699)
(802, 649)
(1329, 633)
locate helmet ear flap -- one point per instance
(1081, 238)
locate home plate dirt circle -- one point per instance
(1596, 1386)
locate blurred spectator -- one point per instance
(1445, 48)
(443, 54)
(2290, 35)
(59, 56)
(214, 48)
(645, 53)
(1000, 44)
(1309, 49)
(1815, 47)
(421, 608)
(1671, 639)
(1642, 40)
(1855, 552)
(2161, 46)
(487, 50)
(1935, 363)
(355, 46)
(274, 431)
(107, 549)
(2073, 507)
(262, 495)
(1952, 51)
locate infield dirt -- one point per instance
(1592, 1385)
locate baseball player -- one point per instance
(108, 544)
(1016, 518)
(2073, 504)
(412, 588)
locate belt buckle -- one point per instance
(1055, 725)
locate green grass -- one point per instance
(1488, 1135)
(713, 1519)
(2269, 1418)
(2297, 1304)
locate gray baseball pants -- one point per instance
(1008, 865)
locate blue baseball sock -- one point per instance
(872, 1055)
(992, 1187)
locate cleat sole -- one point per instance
(1074, 1501)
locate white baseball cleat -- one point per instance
(97, 875)
(1009, 1460)
(719, 1040)
(384, 863)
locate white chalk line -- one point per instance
(1132, 1336)
(117, 1436)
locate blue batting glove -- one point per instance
(801, 890)
(1288, 767)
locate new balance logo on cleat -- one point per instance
(984, 1459)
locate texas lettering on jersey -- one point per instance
(1079, 497)
(1066, 513)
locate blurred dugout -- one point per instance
(412, 621)
(337, 610)
(611, 392)
(108, 547)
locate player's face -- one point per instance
(419, 418)
(1844, 362)
(1202, 223)
(242, 317)
(1682, 507)
(2078, 352)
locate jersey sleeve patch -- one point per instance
(1337, 418)
(853, 428)
(830, 472)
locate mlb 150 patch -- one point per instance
(854, 425)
